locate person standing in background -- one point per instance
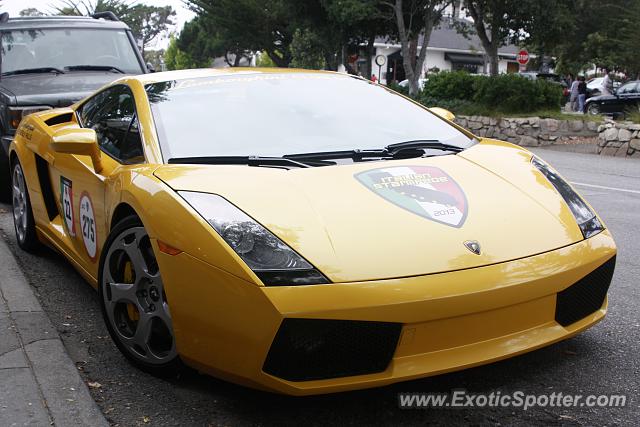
(573, 95)
(582, 93)
(607, 84)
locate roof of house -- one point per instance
(446, 36)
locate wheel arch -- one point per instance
(122, 211)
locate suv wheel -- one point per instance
(5, 177)
(22, 214)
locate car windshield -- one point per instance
(67, 47)
(276, 114)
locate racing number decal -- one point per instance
(88, 226)
(66, 200)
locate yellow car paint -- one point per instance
(457, 309)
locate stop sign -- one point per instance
(523, 57)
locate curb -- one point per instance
(40, 383)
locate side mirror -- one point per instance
(79, 141)
(445, 114)
(150, 67)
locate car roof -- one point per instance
(218, 72)
(39, 22)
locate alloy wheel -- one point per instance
(134, 299)
(20, 209)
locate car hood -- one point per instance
(56, 90)
(400, 218)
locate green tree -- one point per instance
(203, 42)
(415, 19)
(176, 59)
(604, 33)
(264, 61)
(497, 22)
(87, 7)
(251, 25)
(149, 22)
(359, 22)
(305, 52)
(546, 25)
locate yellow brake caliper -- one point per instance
(132, 311)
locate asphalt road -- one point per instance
(603, 360)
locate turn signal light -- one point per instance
(17, 113)
(168, 249)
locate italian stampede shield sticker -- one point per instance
(424, 190)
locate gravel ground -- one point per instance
(603, 360)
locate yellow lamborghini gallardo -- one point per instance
(305, 232)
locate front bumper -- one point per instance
(226, 326)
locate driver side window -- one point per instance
(629, 88)
(111, 113)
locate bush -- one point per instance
(512, 93)
(462, 92)
(450, 85)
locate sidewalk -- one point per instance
(39, 384)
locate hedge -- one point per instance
(506, 93)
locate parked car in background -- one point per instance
(421, 83)
(594, 86)
(54, 61)
(551, 77)
(625, 99)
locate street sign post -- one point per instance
(523, 59)
(380, 61)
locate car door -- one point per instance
(617, 102)
(81, 192)
(631, 96)
(624, 98)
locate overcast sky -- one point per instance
(182, 13)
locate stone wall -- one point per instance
(528, 131)
(619, 139)
(609, 138)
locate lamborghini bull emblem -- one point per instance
(424, 190)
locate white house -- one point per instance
(447, 50)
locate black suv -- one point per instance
(54, 61)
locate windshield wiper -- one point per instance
(401, 150)
(420, 145)
(94, 68)
(355, 155)
(34, 71)
(239, 160)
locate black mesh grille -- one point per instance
(312, 349)
(585, 296)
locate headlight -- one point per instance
(17, 113)
(270, 258)
(587, 220)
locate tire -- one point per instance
(23, 222)
(133, 301)
(593, 109)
